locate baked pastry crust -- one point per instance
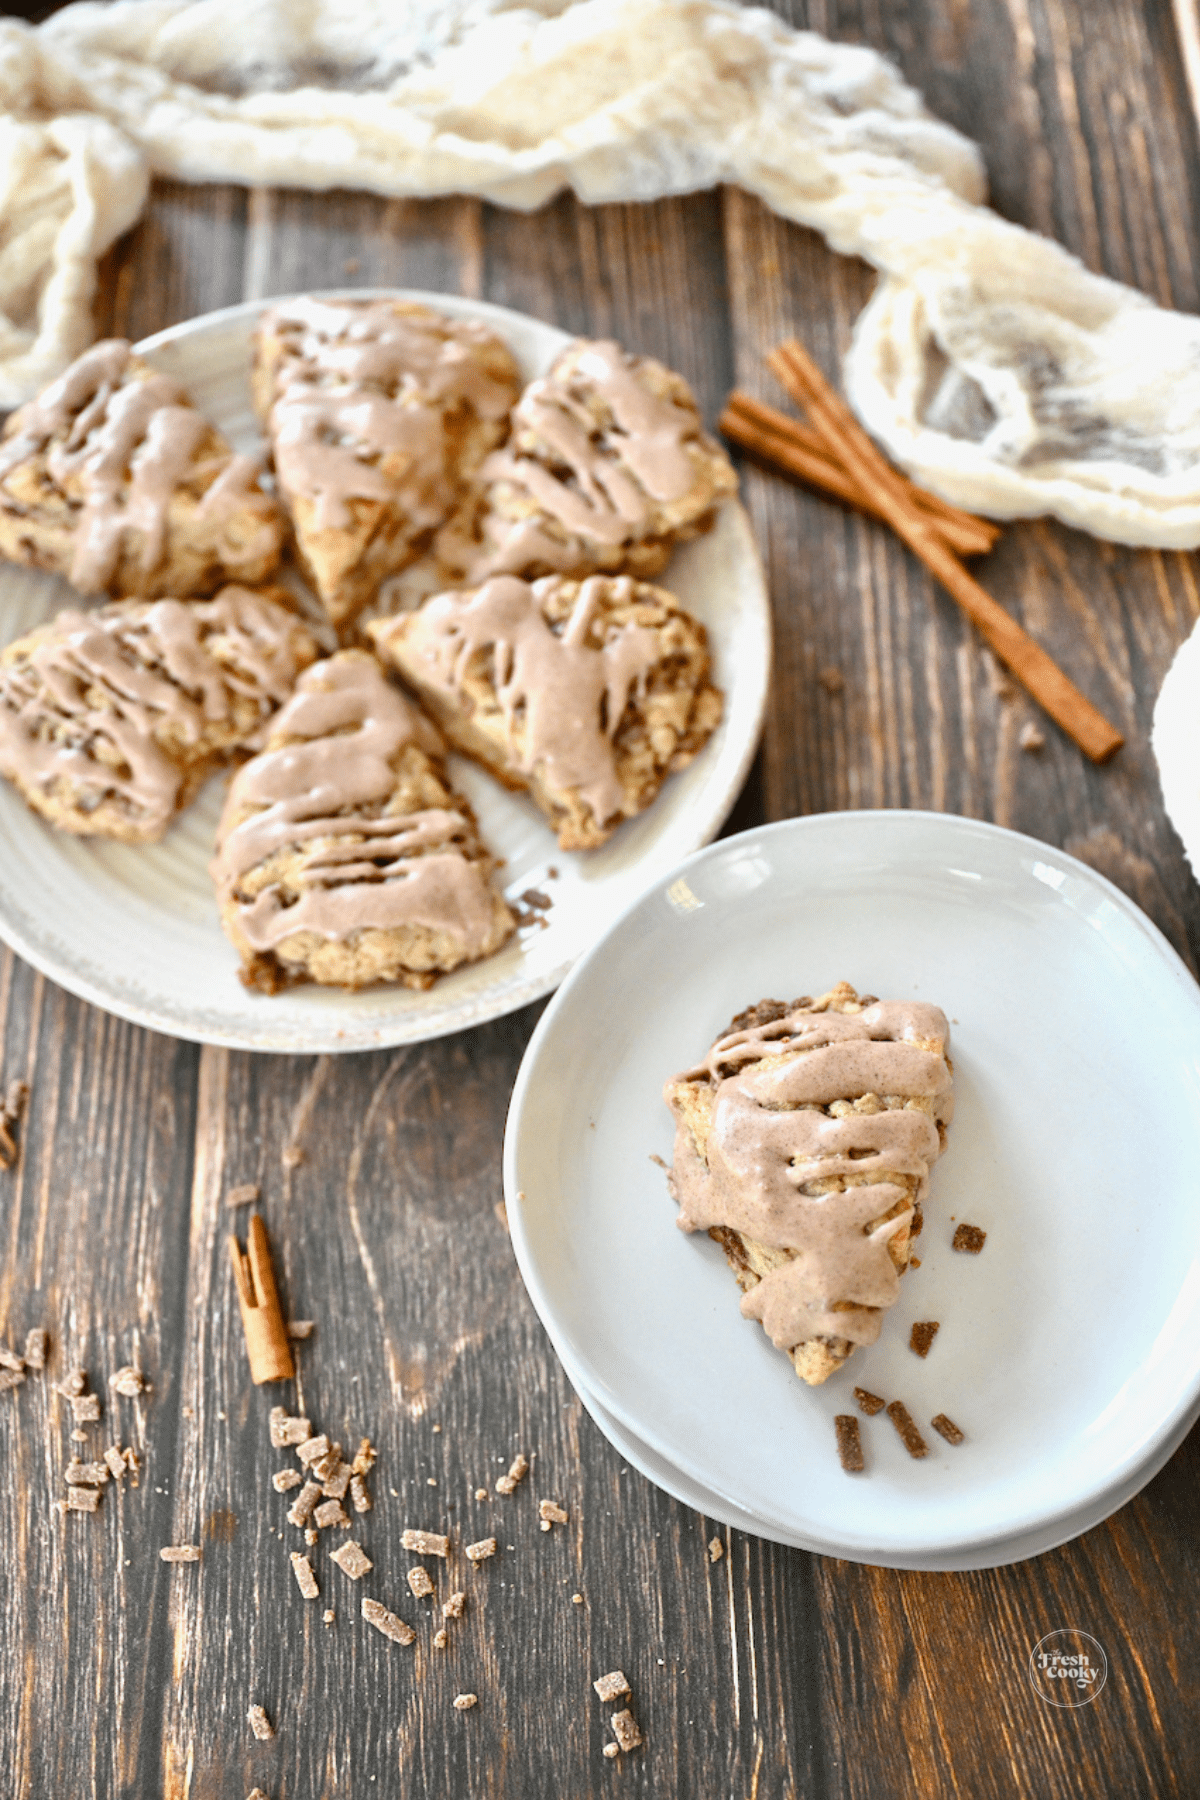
(111, 720)
(588, 694)
(111, 478)
(343, 855)
(379, 412)
(771, 1042)
(607, 468)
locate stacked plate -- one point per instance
(1068, 1351)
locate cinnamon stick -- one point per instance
(800, 451)
(1032, 666)
(262, 1318)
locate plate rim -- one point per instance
(1187, 1397)
(383, 1031)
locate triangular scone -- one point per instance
(803, 1145)
(111, 720)
(343, 855)
(587, 693)
(606, 468)
(378, 413)
(113, 479)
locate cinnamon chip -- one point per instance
(245, 1195)
(359, 1496)
(352, 1560)
(716, 1549)
(283, 1479)
(313, 1449)
(115, 1458)
(37, 1342)
(179, 1553)
(625, 1730)
(330, 1513)
(612, 1686)
(481, 1551)
(910, 1437)
(921, 1337)
(425, 1543)
(301, 1328)
(286, 1430)
(419, 1582)
(364, 1458)
(518, 1468)
(464, 1702)
(86, 1408)
(849, 1444)
(551, 1513)
(128, 1382)
(306, 1581)
(301, 1509)
(87, 1474)
(334, 1486)
(969, 1238)
(440, 1639)
(453, 1607)
(869, 1403)
(81, 1499)
(948, 1429)
(260, 1725)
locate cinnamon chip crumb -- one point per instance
(419, 1582)
(716, 1549)
(625, 1730)
(611, 1750)
(37, 1342)
(301, 1328)
(179, 1553)
(969, 1238)
(81, 1499)
(260, 1725)
(576, 1599)
(948, 1429)
(482, 1494)
(73, 1383)
(1030, 738)
(328, 1615)
(551, 1513)
(387, 1622)
(286, 1430)
(352, 1560)
(284, 1479)
(849, 1444)
(364, 1458)
(453, 1607)
(359, 1495)
(518, 1468)
(306, 1581)
(910, 1437)
(464, 1702)
(115, 1458)
(245, 1195)
(256, 1794)
(425, 1543)
(481, 1551)
(292, 1156)
(128, 1382)
(440, 1639)
(611, 1686)
(311, 1535)
(869, 1403)
(329, 1514)
(920, 1340)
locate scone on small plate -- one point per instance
(606, 469)
(587, 693)
(343, 855)
(378, 413)
(111, 478)
(803, 1146)
(110, 721)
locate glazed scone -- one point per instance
(803, 1145)
(343, 856)
(588, 693)
(606, 469)
(111, 720)
(378, 413)
(114, 480)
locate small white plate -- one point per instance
(135, 928)
(1069, 1351)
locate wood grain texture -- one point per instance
(769, 1675)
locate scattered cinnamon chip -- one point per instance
(611, 1750)
(115, 1458)
(464, 1702)
(364, 1458)
(482, 1494)
(286, 1430)
(947, 1428)
(359, 1495)
(301, 1509)
(376, 1614)
(551, 1513)
(81, 1499)
(518, 1468)
(612, 1685)
(849, 1444)
(716, 1549)
(910, 1437)
(292, 1156)
(37, 1342)
(306, 1581)
(453, 1607)
(10, 1360)
(440, 1639)
(352, 1560)
(326, 1468)
(301, 1328)
(329, 1514)
(260, 1725)
(256, 1794)
(86, 1474)
(128, 1382)
(920, 1339)
(625, 1730)
(481, 1551)
(419, 1582)
(969, 1238)
(869, 1403)
(313, 1449)
(179, 1553)
(284, 1479)
(334, 1486)
(1030, 738)
(425, 1543)
(86, 1408)
(73, 1383)
(245, 1195)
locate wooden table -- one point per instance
(770, 1673)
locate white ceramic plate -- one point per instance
(1069, 1351)
(135, 929)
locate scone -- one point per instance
(113, 479)
(587, 693)
(378, 413)
(803, 1145)
(343, 856)
(606, 468)
(111, 720)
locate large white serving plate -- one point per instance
(1069, 1351)
(135, 929)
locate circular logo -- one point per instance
(1067, 1668)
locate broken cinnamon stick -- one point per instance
(798, 450)
(262, 1319)
(1033, 668)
